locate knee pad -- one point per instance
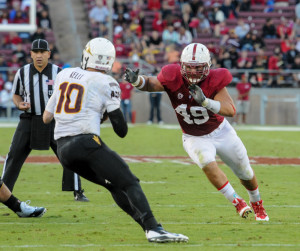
(244, 172)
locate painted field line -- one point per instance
(165, 223)
(156, 245)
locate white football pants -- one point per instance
(224, 142)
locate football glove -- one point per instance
(197, 94)
(131, 76)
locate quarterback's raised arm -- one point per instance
(142, 82)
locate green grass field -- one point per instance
(180, 196)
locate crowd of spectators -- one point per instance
(15, 46)
(156, 31)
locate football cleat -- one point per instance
(260, 212)
(160, 235)
(241, 207)
(29, 211)
(79, 196)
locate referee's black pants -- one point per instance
(19, 151)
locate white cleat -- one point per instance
(29, 211)
(160, 235)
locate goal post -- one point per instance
(31, 27)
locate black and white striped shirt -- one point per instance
(35, 87)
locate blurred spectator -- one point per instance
(243, 60)
(285, 46)
(38, 34)
(243, 103)
(156, 44)
(284, 28)
(169, 35)
(226, 61)
(242, 28)
(185, 36)
(154, 5)
(228, 9)
(147, 53)
(4, 65)
(259, 64)
(99, 13)
(20, 18)
(6, 98)
(257, 41)
(44, 20)
(2, 81)
(195, 5)
(245, 5)
(275, 63)
(158, 23)
(12, 40)
(216, 16)
(14, 64)
(296, 75)
(246, 43)
(186, 11)
(230, 39)
(4, 17)
(20, 54)
(121, 13)
(291, 55)
(296, 28)
(220, 30)
(204, 25)
(120, 48)
(126, 89)
(57, 60)
(53, 49)
(172, 55)
(269, 30)
(168, 6)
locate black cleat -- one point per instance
(79, 196)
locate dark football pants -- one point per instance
(88, 156)
(19, 151)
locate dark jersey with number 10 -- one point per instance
(194, 119)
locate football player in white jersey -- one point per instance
(81, 98)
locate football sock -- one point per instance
(228, 191)
(13, 203)
(254, 195)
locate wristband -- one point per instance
(136, 83)
(143, 84)
(212, 105)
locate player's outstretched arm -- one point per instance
(227, 105)
(142, 82)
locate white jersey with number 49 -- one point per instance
(80, 99)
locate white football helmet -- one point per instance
(195, 62)
(99, 53)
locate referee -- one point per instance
(32, 88)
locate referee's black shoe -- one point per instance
(79, 196)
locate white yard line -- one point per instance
(91, 245)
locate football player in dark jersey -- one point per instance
(200, 99)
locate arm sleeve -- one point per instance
(118, 122)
